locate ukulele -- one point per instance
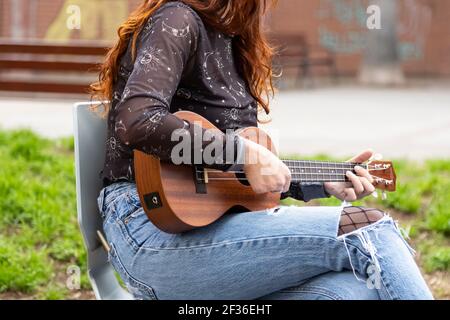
(179, 198)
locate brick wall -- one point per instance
(338, 25)
(423, 29)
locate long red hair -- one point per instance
(241, 18)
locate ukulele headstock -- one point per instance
(383, 174)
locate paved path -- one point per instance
(413, 123)
(396, 123)
(49, 117)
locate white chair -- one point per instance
(90, 135)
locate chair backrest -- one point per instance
(90, 135)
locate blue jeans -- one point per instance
(287, 253)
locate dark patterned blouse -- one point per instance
(181, 64)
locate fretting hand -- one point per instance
(360, 184)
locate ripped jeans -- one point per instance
(287, 253)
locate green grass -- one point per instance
(422, 204)
(39, 235)
(40, 238)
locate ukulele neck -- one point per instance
(320, 171)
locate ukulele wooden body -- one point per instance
(175, 202)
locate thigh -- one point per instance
(328, 286)
(241, 256)
(249, 255)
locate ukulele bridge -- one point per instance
(200, 179)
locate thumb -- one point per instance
(362, 157)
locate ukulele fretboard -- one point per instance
(320, 171)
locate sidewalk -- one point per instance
(48, 117)
(412, 123)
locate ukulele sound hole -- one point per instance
(242, 178)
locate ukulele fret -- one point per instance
(320, 171)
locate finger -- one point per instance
(287, 185)
(258, 190)
(368, 187)
(355, 180)
(362, 157)
(350, 195)
(280, 186)
(363, 173)
(348, 184)
(338, 187)
(288, 180)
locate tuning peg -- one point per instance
(375, 194)
(383, 195)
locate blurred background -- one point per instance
(354, 74)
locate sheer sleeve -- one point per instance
(143, 120)
(306, 191)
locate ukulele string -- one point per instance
(298, 180)
(295, 172)
(295, 176)
(292, 173)
(244, 179)
(339, 169)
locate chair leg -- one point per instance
(102, 277)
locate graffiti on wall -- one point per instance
(412, 28)
(91, 19)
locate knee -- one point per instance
(354, 217)
(374, 214)
(370, 215)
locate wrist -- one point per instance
(251, 153)
(240, 154)
(327, 189)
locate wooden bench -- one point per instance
(33, 60)
(294, 51)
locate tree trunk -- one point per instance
(381, 62)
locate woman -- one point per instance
(211, 57)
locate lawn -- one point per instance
(40, 239)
